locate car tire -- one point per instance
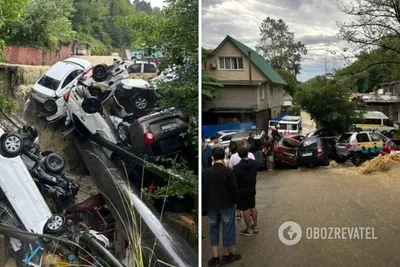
(50, 107)
(54, 163)
(358, 159)
(100, 72)
(12, 145)
(55, 225)
(123, 131)
(141, 102)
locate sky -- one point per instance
(312, 21)
(156, 3)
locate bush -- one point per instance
(296, 111)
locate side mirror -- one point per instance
(92, 105)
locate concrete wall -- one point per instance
(35, 56)
(229, 50)
(273, 96)
(237, 96)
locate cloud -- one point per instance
(312, 21)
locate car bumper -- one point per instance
(312, 161)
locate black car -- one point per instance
(160, 133)
(316, 151)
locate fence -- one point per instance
(35, 56)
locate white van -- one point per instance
(376, 120)
(288, 125)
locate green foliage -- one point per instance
(328, 103)
(180, 32)
(291, 81)
(6, 104)
(296, 111)
(184, 182)
(44, 24)
(9, 12)
(278, 45)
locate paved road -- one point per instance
(323, 198)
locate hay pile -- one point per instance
(333, 164)
(380, 164)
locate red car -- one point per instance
(285, 150)
(391, 147)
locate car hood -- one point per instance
(44, 90)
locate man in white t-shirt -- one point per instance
(235, 159)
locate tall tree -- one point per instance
(278, 45)
(375, 27)
(143, 6)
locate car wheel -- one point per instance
(54, 163)
(50, 107)
(392, 134)
(55, 224)
(100, 72)
(123, 131)
(358, 159)
(141, 102)
(12, 145)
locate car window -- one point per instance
(344, 138)
(226, 137)
(49, 82)
(149, 68)
(290, 142)
(71, 77)
(377, 137)
(362, 138)
(310, 142)
(135, 68)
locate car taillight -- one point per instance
(149, 138)
(320, 150)
(66, 97)
(348, 146)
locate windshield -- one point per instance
(344, 138)
(49, 82)
(288, 126)
(313, 141)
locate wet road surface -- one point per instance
(322, 198)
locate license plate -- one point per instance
(307, 154)
(169, 127)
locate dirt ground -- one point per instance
(338, 197)
(99, 59)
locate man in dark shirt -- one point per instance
(220, 195)
(246, 175)
(251, 143)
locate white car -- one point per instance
(56, 81)
(19, 187)
(224, 137)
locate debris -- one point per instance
(380, 164)
(333, 164)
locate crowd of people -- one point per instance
(229, 192)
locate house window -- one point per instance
(271, 90)
(230, 63)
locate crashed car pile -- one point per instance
(116, 143)
(320, 147)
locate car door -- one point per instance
(68, 81)
(364, 143)
(149, 70)
(378, 141)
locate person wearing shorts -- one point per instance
(220, 194)
(246, 176)
(270, 153)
